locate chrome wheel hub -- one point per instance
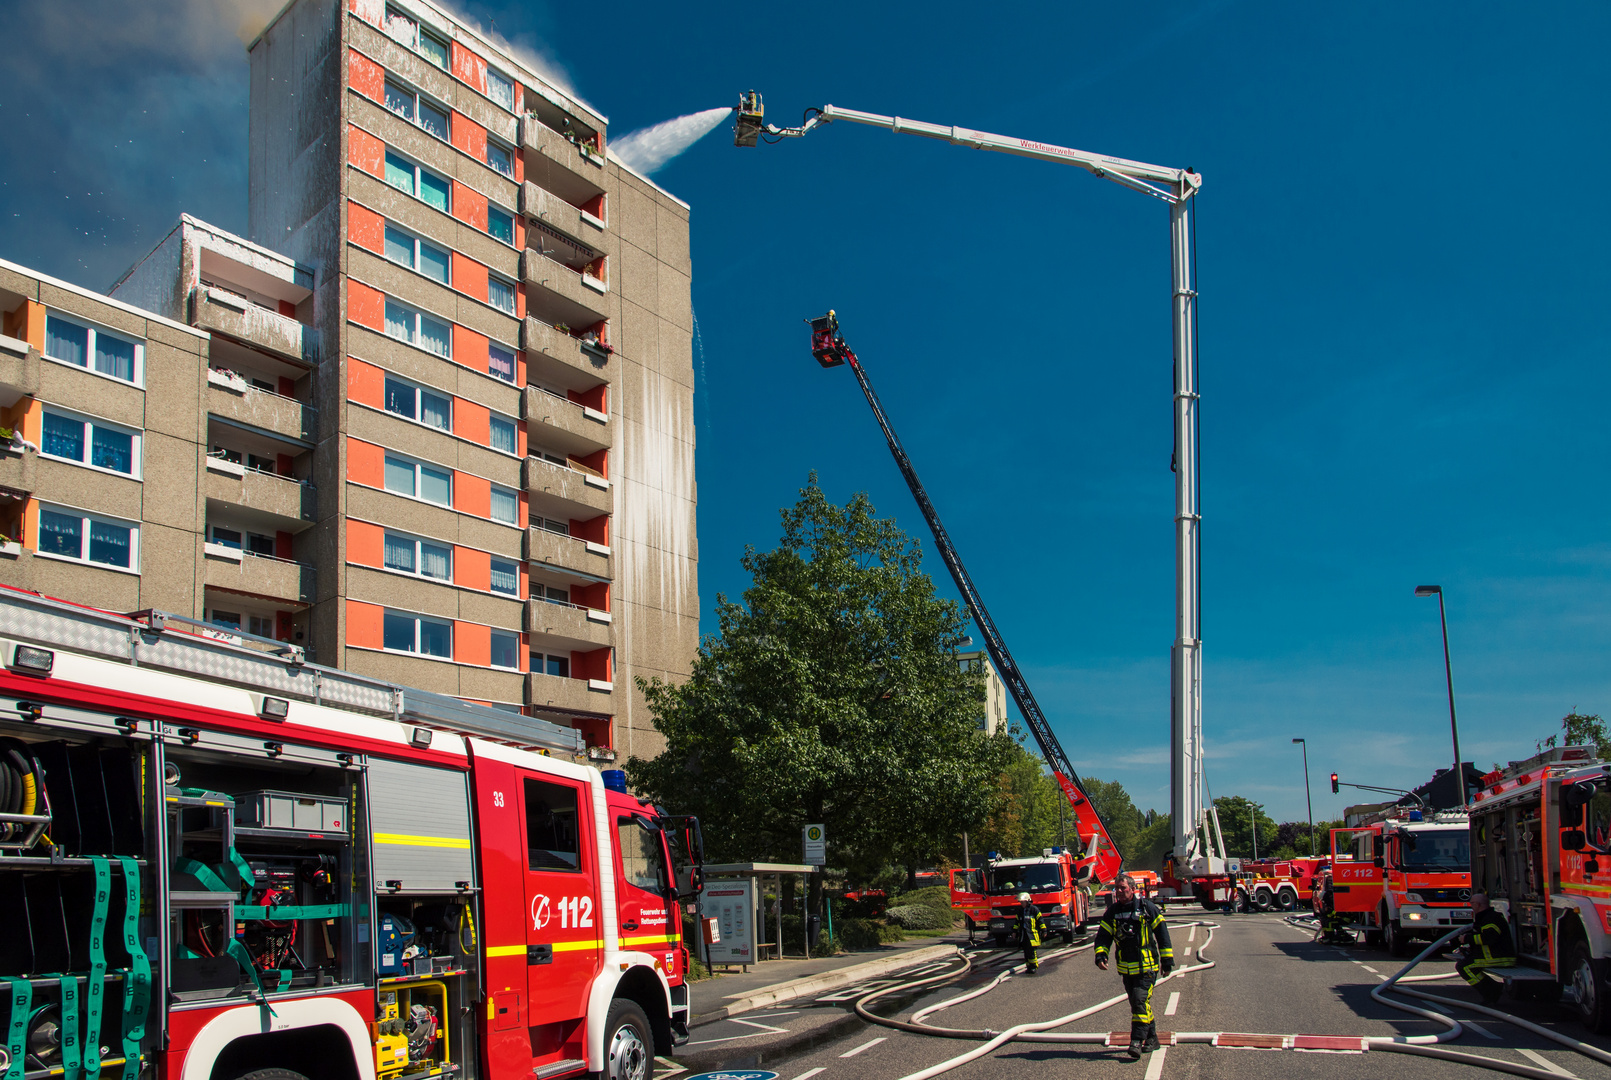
(629, 1058)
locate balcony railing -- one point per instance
(590, 561)
(570, 695)
(573, 623)
(586, 495)
(558, 293)
(568, 425)
(17, 466)
(556, 357)
(229, 395)
(259, 575)
(223, 312)
(566, 170)
(551, 210)
(19, 371)
(234, 484)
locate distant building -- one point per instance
(993, 717)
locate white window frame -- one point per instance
(514, 429)
(502, 667)
(414, 191)
(509, 152)
(89, 348)
(494, 73)
(416, 30)
(415, 338)
(515, 565)
(492, 208)
(514, 366)
(417, 100)
(514, 304)
(541, 668)
(414, 254)
(417, 619)
(500, 521)
(419, 556)
(85, 518)
(417, 465)
(136, 443)
(419, 407)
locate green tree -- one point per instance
(1151, 844)
(1236, 818)
(832, 694)
(1118, 812)
(1578, 729)
(1028, 812)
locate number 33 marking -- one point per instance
(497, 798)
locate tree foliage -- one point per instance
(830, 694)
(1579, 729)
(1236, 824)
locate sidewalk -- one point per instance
(772, 981)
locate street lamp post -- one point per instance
(1306, 797)
(1448, 675)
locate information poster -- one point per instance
(731, 901)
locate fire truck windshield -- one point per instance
(1035, 877)
(1445, 849)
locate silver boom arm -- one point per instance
(1176, 187)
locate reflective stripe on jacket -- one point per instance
(1140, 933)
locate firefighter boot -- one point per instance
(1151, 1042)
(1138, 1039)
(1490, 990)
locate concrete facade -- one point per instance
(432, 420)
(993, 704)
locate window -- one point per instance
(419, 481)
(256, 543)
(433, 49)
(70, 534)
(563, 528)
(228, 620)
(417, 181)
(502, 432)
(553, 835)
(421, 557)
(416, 254)
(88, 347)
(643, 856)
(500, 158)
(551, 664)
(505, 578)
(501, 225)
(501, 88)
(553, 594)
(406, 28)
(501, 294)
(408, 104)
(417, 328)
(418, 403)
(505, 505)
(500, 362)
(505, 649)
(90, 442)
(403, 632)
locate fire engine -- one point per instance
(1282, 884)
(988, 895)
(1539, 829)
(1403, 874)
(219, 861)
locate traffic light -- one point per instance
(1334, 783)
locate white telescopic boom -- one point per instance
(1175, 187)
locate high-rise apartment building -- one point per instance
(993, 698)
(432, 421)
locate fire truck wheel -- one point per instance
(1394, 938)
(627, 1042)
(1592, 1007)
(1068, 937)
(271, 1074)
(1000, 940)
(1286, 900)
(1264, 899)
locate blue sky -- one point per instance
(1401, 325)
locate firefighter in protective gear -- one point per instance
(1134, 928)
(1029, 932)
(1332, 921)
(1490, 946)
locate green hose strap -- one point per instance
(137, 983)
(22, 1000)
(95, 992)
(204, 875)
(238, 951)
(288, 912)
(243, 869)
(72, 1049)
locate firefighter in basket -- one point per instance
(1029, 932)
(1488, 945)
(1134, 928)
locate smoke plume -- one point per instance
(649, 149)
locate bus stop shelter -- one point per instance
(761, 875)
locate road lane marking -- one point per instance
(1174, 1002)
(1193, 935)
(1370, 969)
(863, 1046)
(765, 1029)
(809, 1073)
(1543, 1062)
(1480, 1030)
(1185, 952)
(1155, 1063)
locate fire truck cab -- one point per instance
(1403, 874)
(988, 895)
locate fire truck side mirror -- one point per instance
(1379, 862)
(1573, 840)
(1574, 797)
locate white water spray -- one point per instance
(649, 149)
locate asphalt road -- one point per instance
(1269, 977)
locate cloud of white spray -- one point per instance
(649, 149)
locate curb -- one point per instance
(828, 980)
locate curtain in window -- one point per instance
(66, 341)
(504, 650)
(434, 190)
(63, 437)
(399, 173)
(436, 486)
(505, 506)
(399, 321)
(434, 263)
(400, 101)
(498, 158)
(399, 553)
(435, 336)
(399, 476)
(109, 544)
(400, 398)
(436, 639)
(502, 434)
(436, 411)
(399, 246)
(501, 363)
(436, 562)
(501, 90)
(505, 578)
(501, 295)
(114, 357)
(112, 450)
(61, 534)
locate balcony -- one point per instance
(17, 467)
(557, 358)
(566, 425)
(558, 294)
(293, 501)
(222, 312)
(233, 398)
(555, 212)
(566, 171)
(19, 371)
(575, 626)
(569, 695)
(583, 495)
(237, 571)
(568, 553)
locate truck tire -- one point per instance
(1394, 939)
(628, 1042)
(1263, 899)
(1068, 937)
(1207, 900)
(271, 1074)
(1001, 940)
(1286, 899)
(1583, 974)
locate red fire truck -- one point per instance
(988, 895)
(1404, 875)
(1282, 884)
(217, 859)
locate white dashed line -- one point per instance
(1480, 1030)
(863, 1046)
(1155, 1063)
(1174, 1002)
(1542, 1061)
(1193, 935)
(809, 1073)
(1370, 969)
